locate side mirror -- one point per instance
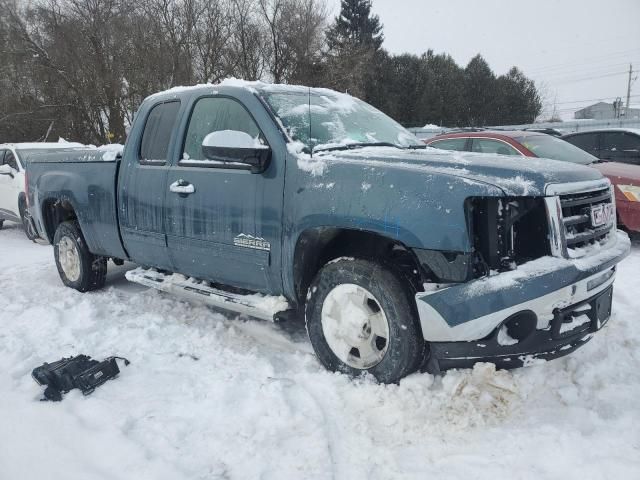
(236, 149)
(7, 170)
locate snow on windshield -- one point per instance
(322, 119)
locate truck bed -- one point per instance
(87, 179)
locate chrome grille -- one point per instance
(576, 216)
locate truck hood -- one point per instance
(516, 176)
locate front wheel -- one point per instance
(1, 223)
(77, 266)
(360, 318)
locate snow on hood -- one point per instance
(516, 176)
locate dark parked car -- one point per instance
(611, 144)
(625, 177)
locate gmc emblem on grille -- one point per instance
(602, 215)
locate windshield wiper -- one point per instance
(417, 147)
(351, 146)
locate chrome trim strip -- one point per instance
(576, 187)
(557, 239)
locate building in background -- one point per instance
(605, 111)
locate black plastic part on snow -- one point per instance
(75, 372)
(538, 344)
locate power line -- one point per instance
(589, 100)
(585, 69)
(598, 58)
(582, 79)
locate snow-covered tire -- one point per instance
(77, 266)
(336, 320)
(26, 223)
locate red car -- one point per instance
(625, 177)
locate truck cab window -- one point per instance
(154, 147)
(212, 114)
(10, 159)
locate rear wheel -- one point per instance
(77, 266)
(360, 318)
(1, 223)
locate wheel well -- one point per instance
(317, 246)
(54, 212)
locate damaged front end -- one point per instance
(537, 285)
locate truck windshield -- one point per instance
(330, 120)
(546, 146)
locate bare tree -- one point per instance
(248, 41)
(210, 39)
(81, 68)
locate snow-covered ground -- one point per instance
(208, 396)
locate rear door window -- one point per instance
(487, 145)
(457, 144)
(621, 146)
(160, 125)
(586, 141)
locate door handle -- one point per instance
(182, 188)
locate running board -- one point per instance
(256, 305)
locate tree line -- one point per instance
(79, 69)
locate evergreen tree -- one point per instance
(355, 27)
(354, 41)
(518, 101)
(479, 92)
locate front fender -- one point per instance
(419, 210)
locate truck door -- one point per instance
(142, 179)
(11, 184)
(228, 229)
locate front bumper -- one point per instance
(463, 316)
(555, 341)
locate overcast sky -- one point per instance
(579, 49)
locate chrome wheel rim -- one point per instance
(355, 326)
(69, 259)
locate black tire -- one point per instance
(1, 223)
(26, 223)
(92, 268)
(406, 346)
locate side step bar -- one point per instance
(256, 305)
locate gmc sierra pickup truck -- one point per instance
(286, 201)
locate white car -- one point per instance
(12, 168)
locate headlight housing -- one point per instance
(506, 231)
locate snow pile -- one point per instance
(213, 397)
(111, 151)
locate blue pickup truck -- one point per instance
(294, 202)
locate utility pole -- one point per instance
(626, 110)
